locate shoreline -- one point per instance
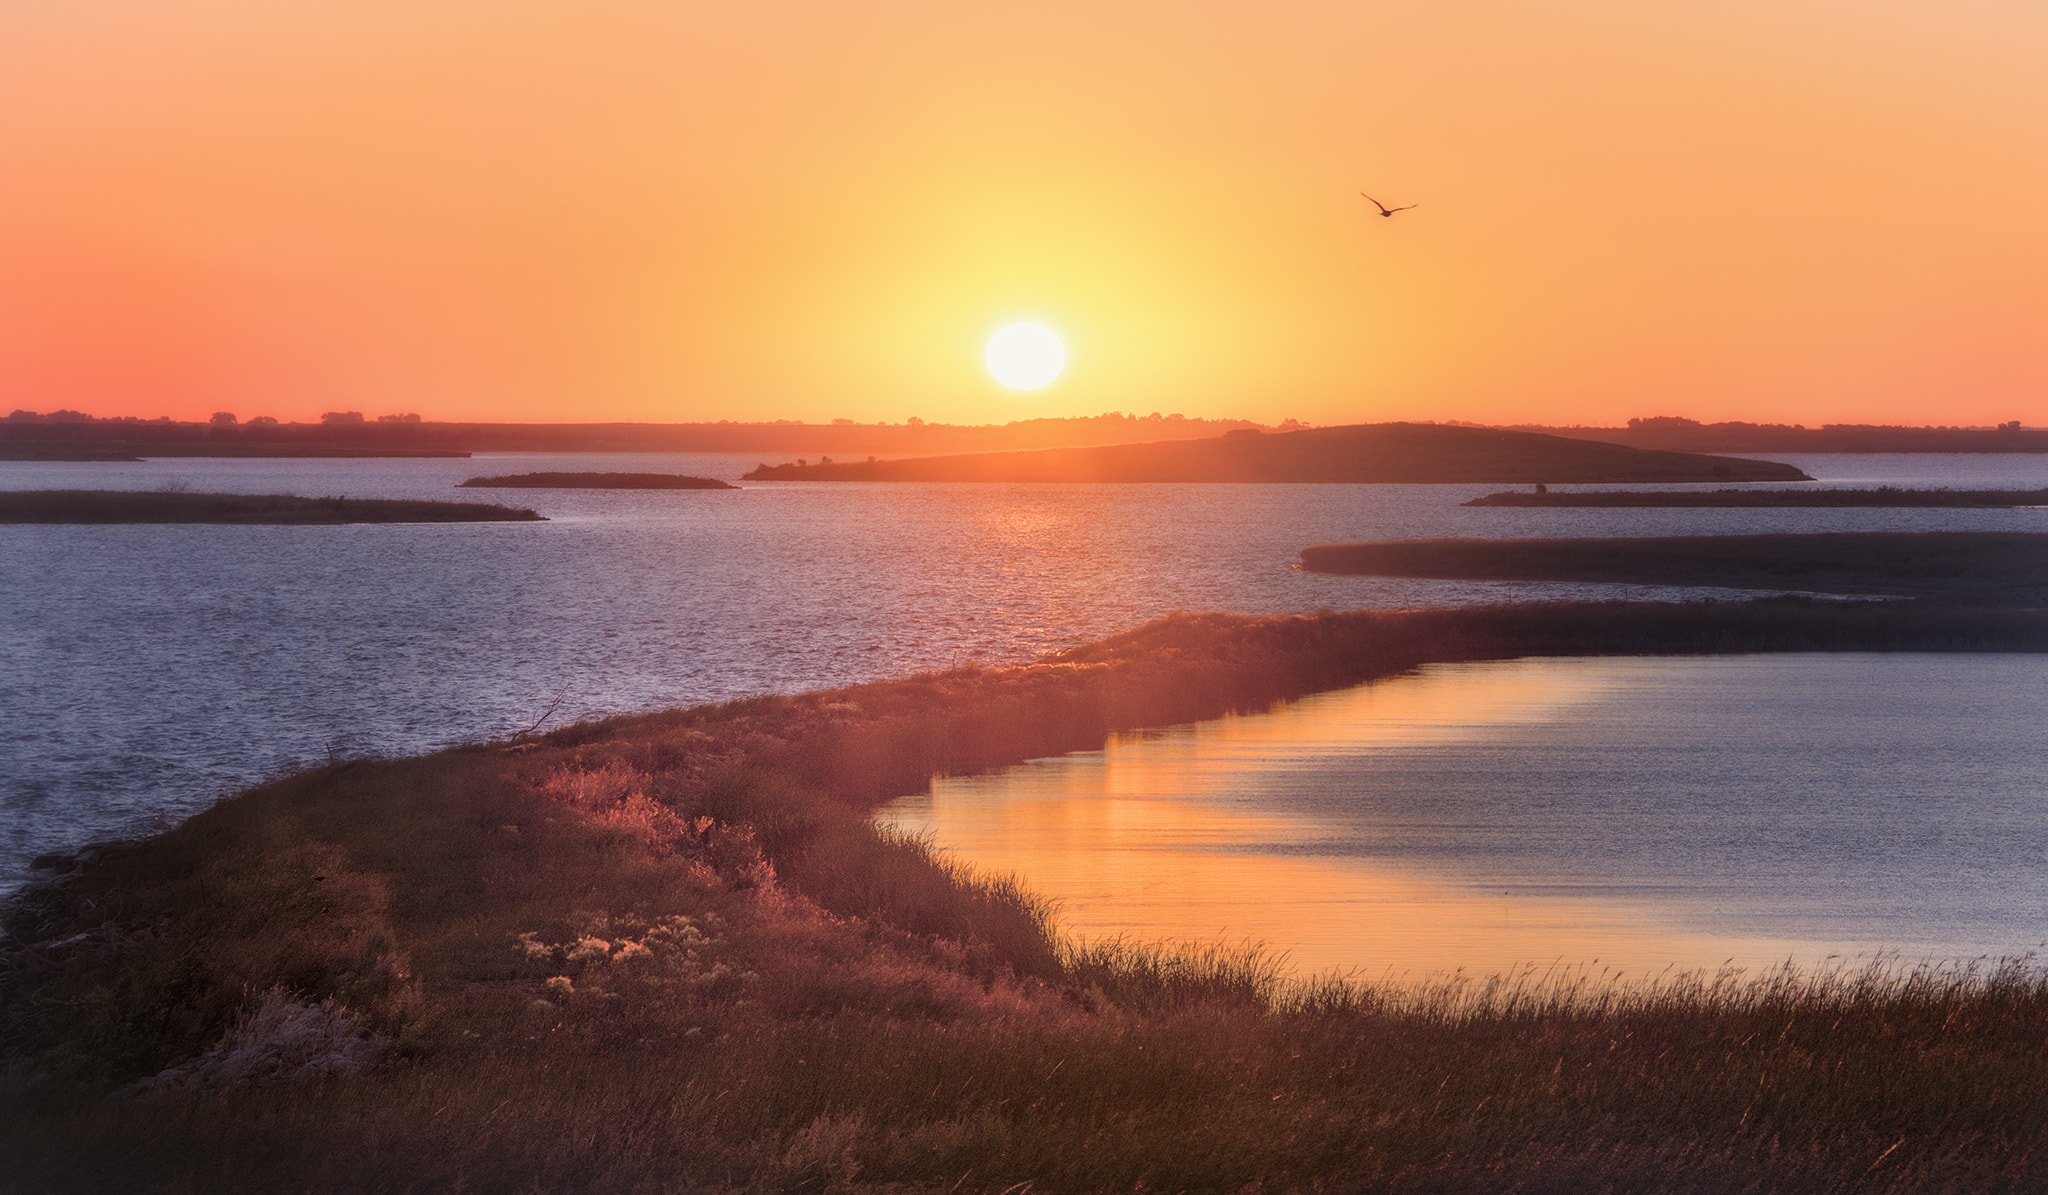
(502, 950)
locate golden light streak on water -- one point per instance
(1160, 837)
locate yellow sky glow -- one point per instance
(1804, 211)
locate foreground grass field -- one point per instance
(672, 953)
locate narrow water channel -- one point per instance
(1629, 815)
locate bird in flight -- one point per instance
(1384, 209)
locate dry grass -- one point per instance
(672, 953)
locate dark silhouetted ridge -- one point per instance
(1994, 566)
(1379, 452)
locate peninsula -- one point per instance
(1378, 452)
(160, 506)
(1958, 565)
(598, 481)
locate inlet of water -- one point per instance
(1623, 814)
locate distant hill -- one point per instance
(1378, 452)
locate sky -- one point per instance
(1777, 210)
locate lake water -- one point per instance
(1634, 814)
(146, 671)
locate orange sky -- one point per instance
(1795, 210)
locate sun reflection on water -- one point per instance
(1179, 835)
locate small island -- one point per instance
(163, 506)
(1956, 565)
(598, 481)
(1399, 453)
(1768, 499)
(126, 451)
(68, 453)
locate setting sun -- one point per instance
(1425, 635)
(1025, 356)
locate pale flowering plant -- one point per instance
(673, 950)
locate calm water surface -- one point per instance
(146, 671)
(1644, 813)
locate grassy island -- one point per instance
(1381, 452)
(159, 506)
(598, 481)
(1765, 499)
(1961, 565)
(672, 953)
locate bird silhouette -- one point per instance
(1384, 209)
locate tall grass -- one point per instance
(1168, 977)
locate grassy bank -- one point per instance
(1966, 565)
(671, 952)
(1882, 496)
(159, 506)
(599, 481)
